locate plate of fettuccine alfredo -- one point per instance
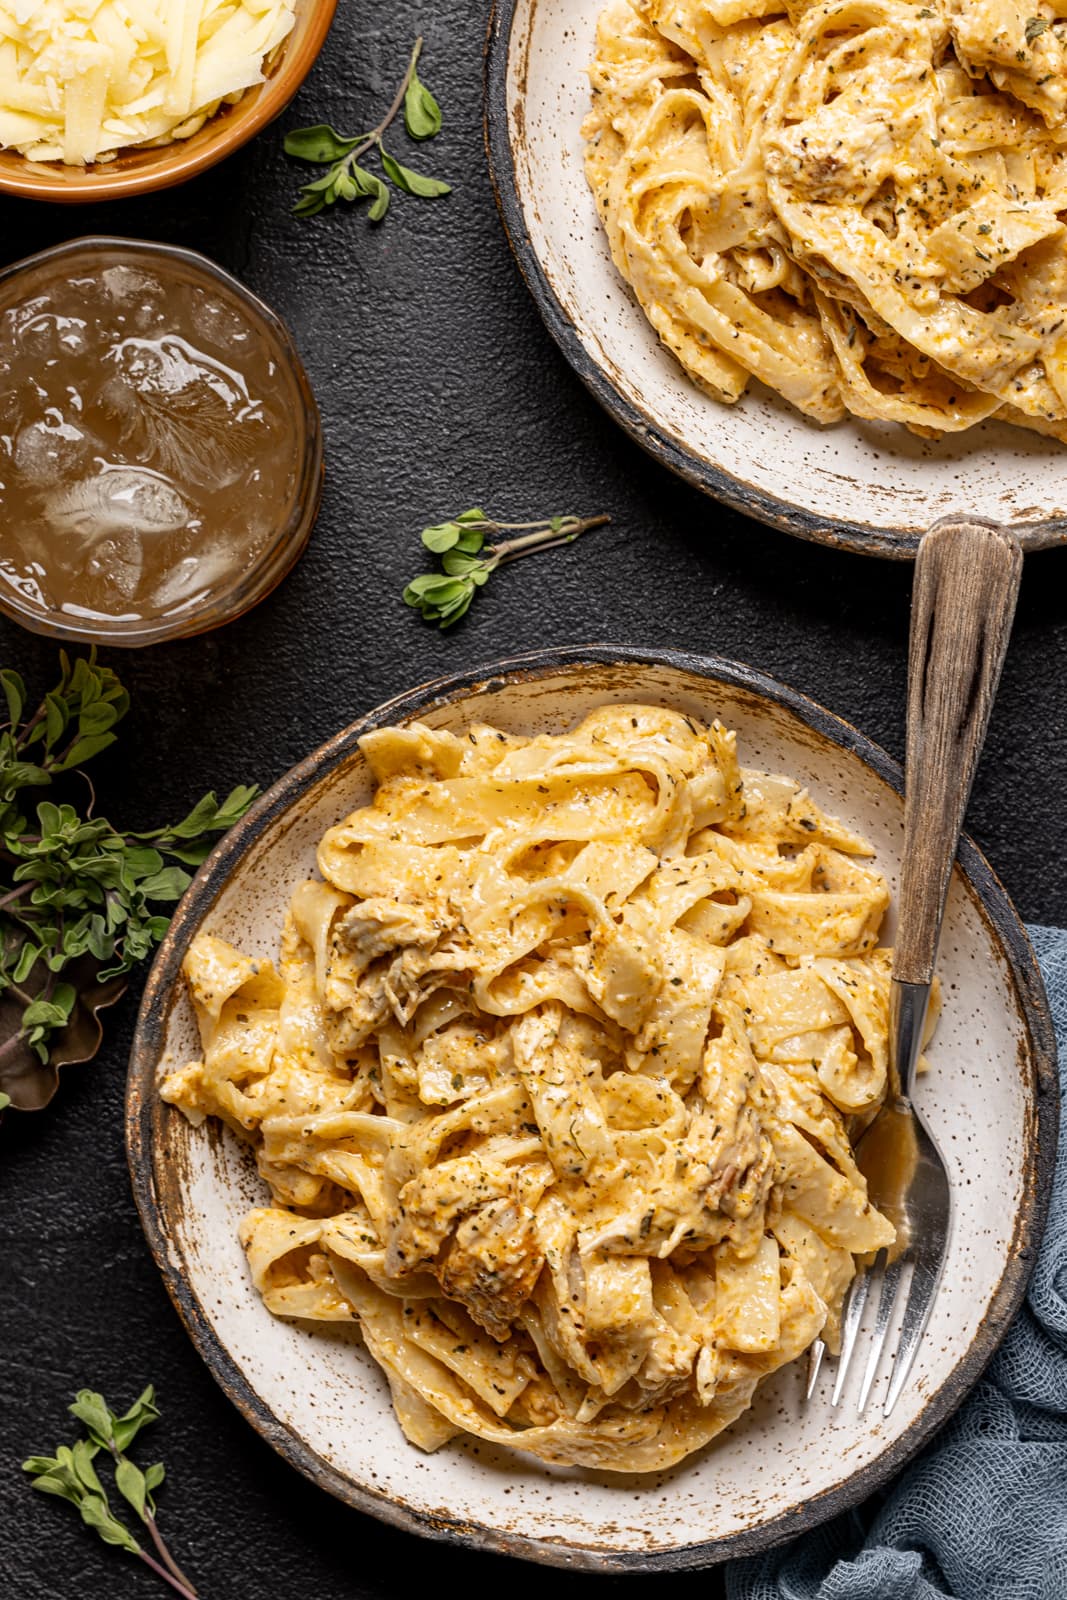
(494, 1096)
(810, 253)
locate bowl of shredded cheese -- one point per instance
(119, 97)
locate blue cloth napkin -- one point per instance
(982, 1513)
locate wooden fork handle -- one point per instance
(966, 585)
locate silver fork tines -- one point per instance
(815, 1360)
(912, 1278)
(850, 1327)
(888, 1279)
(924, 1283)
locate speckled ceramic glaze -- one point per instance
(319, 1398)
(872, 487)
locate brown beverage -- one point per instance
(152, 438)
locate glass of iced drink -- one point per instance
(160, 446)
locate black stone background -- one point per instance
(439, 389)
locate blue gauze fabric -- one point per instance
(982, 1513)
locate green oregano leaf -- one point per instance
(100, 717)
(322, 185)
(141, 1413)
(83, 1453)
(310, 204)
(91, 1408)
(422, 114)
(95, 1514)
(380, 204)
(14, 694)
(130, 1482)
(441, 537)
(52, 1483)
(53, 1012)
(459, 608)
(56, 718)
(83, 750)
(416, 183)
(170, 884)
(29, 955)
(320, 143)
(458, 563)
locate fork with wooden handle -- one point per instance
(966, 585)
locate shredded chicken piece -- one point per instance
(553, 1086)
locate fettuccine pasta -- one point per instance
(556, 1082)
(858, 202)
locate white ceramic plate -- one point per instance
(320, 1399)
(872, 487)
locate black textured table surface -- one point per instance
(439, 389)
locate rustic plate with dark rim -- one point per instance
(317, 1396)
(869, 487)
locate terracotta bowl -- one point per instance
(137, 171)
(318, 1397)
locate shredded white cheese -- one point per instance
(82, 79)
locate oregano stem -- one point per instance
(398, 98)
(375, 135)
(18, 991)
(150, 1561)
(27, 728)
(165, 1555)
(157, 1538)
(548, 538)
(540, 523)
(9, 1046)
(90, 808)
(501, 560)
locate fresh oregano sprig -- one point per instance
(468, 563)
(71, 1475)
(72, 884)
(346, 178)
